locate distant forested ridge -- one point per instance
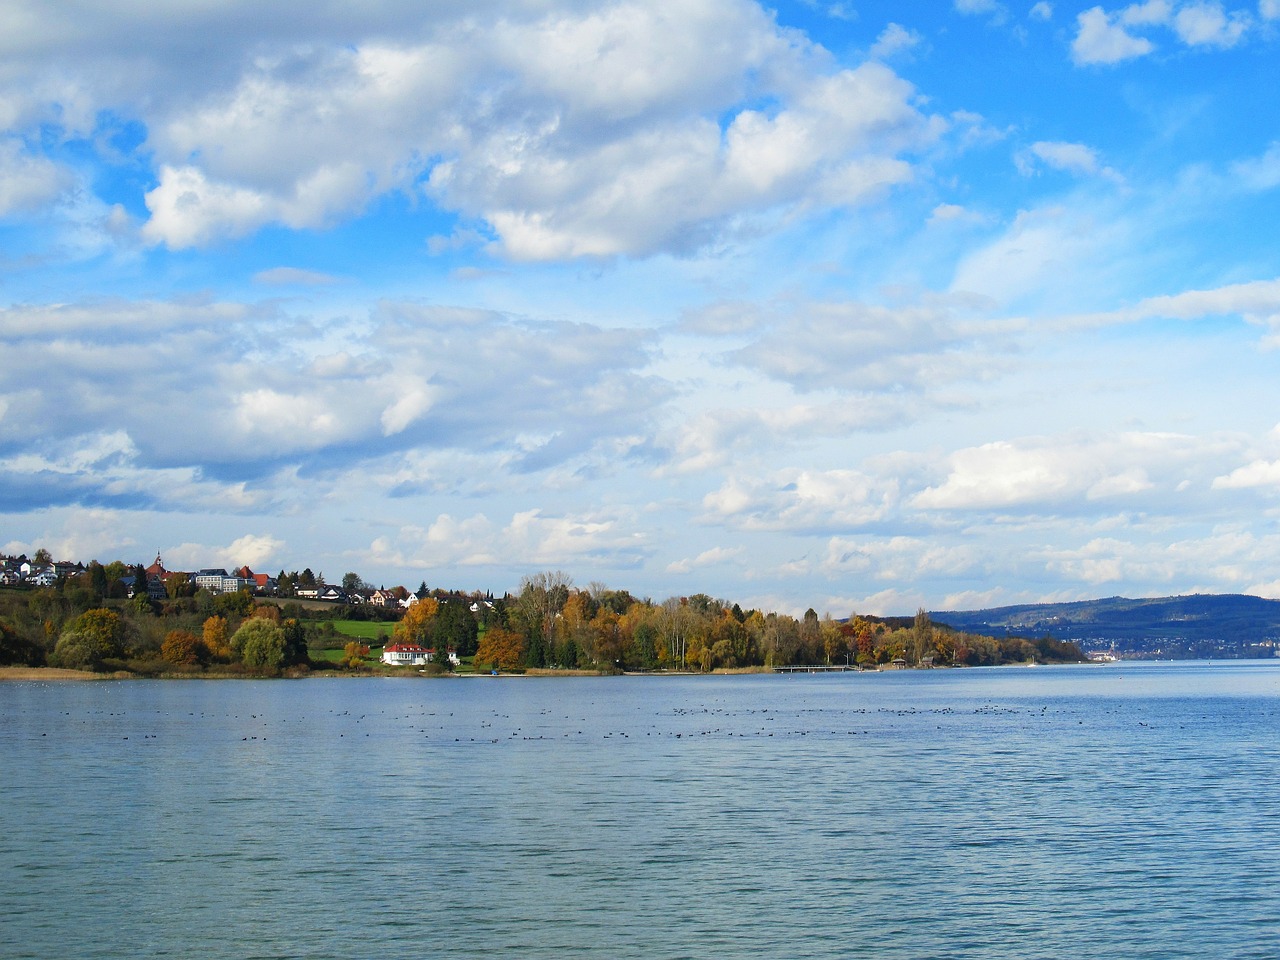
(1193, 627)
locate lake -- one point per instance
(1119, 811)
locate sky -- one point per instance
(858, 306)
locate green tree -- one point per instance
(94, 636)
(97, 579)
(295, 642)
(455, 628)
(259, 643)
(15, 648)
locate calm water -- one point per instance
(1122, 811)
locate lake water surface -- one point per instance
(1119, 811)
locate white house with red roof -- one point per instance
(405, 655)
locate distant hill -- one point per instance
(1199, 626)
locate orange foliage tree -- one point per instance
(501, 648)
(181, 646)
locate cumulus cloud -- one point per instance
(250, 550)
(1054, 473)
(708, 558)
(1206, 24)
(1260, 474)
(803, 501)
(623, 130)
(894, 39)
(1100, 39)
(532, 539)
(1109, 38)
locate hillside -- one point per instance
(1199, 626)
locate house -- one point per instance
(412, 655)
(210, 579)
(405, 655)
(383, 598)
(45, 577)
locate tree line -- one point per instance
(549, 623)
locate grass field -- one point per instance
(363, 629)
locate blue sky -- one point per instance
(859, 306)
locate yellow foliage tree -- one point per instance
(415, 625)
(354, 653)
(215, 638)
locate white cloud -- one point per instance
(1260, 173)
(1257, 301)
(1269, 9)
(1050, 473)
(293, 276)
(897, 559)
(532, 539)
(1108, 38)
(250, 550)
(27, 181)
(894, 39)
(803, 501)
(1041, 11)
(1205, 24)
(1150, 13)
(630, 129)
(1075, 158)
(188, 210)
(865, 348)
(708, 558)
(1101, 40)
(977, 7)
(1258, 474)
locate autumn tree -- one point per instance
(215, 638)
(417, 624)
(353, 654)
(501, 648)
(182, 647)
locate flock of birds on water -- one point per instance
(549, 725)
